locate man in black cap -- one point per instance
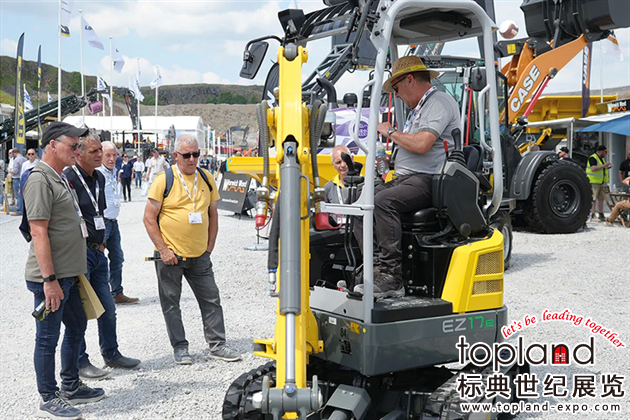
(55, 259)
(597, 173)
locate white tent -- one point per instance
(151, 126)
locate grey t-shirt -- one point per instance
(439, 115)
(46, 198)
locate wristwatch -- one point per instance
(50, 278)
(390, 131)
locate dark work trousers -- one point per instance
(200, 277)
(402, 195)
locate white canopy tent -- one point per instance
(153, 129)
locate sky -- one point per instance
(202, 41)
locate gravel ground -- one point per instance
(586, 272)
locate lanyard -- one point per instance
(181, 177)
(416, 110)
(94, 201)
(76, 205)
(339, 194)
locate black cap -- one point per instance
(564, 149)
(601, 147)
(57, 129)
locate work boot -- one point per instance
(121, 299)
(601, 217)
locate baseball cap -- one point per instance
(602, 147)
(57, 129)
(564, 149)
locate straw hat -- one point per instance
(406, 65)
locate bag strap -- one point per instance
(170, 177)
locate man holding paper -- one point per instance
(89, 185)
(55, 259)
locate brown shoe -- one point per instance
(121, 299)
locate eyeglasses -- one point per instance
(188, 155)
(394, 88)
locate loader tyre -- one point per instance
(560, 199)
(502, 222)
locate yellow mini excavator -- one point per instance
(336, 354)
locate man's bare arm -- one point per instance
(41, 244)
(151, 213)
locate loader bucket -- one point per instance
(591, 18)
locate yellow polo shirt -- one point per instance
(185, 239)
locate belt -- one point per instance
(93, 246)
(111, 220)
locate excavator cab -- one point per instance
(337, 354)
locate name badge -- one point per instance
(116, 203)
(84, 230)
(194, 218)
(99, 223)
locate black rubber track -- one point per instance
(236, 405)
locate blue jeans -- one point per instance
(71, 313)
(138, 179)
(99, 279)
(18, 194)
(115, 255)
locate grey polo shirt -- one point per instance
(46, 198)
(439, 115)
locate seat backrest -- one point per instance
(473, 155)
(456, 197)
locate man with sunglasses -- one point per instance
(421, 146)
(184, 239)
(31, 155)
(55, 258)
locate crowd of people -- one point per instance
(71, 204)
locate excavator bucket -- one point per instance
(593, 18)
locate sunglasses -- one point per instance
(73, 146)
(30, 154)
(394, 88)
(188, 155)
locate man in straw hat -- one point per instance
(421, 149)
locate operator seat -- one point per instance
(455, 195)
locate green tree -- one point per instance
(74, 82)
(253, 99)
(149, 99)
(239, 99)
(212, 99)
(225, 97)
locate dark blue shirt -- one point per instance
(204, 163)
(127, 168)
(119, 163)
(87, 208)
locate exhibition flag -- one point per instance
(65, 12)
(20, 129)
(90, 35)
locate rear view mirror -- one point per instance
(478, 78)
(252, 59)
